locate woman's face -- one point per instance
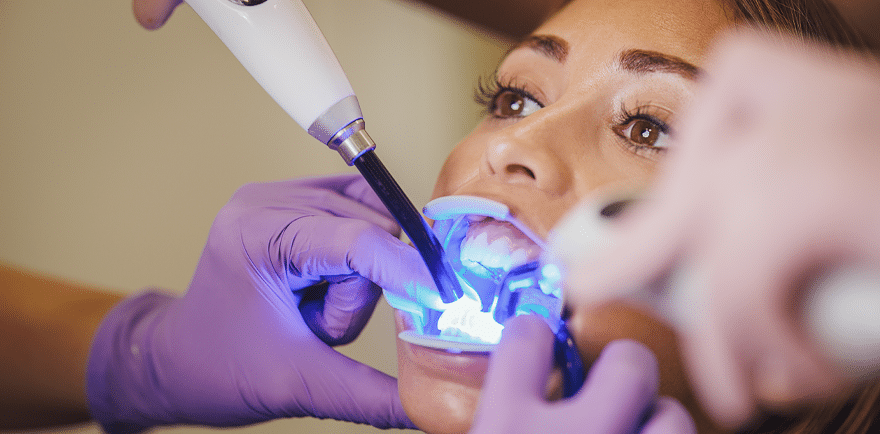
(589, 101)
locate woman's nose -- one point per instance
(531, 151)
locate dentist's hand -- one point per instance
(772, 183)
(618, 397)
(240, 346)
(152, 14)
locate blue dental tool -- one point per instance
(530, 288)
(533, 289)
(278, 42)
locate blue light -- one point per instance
(551, 272)
(520, 284)
(464, 319)
(524, 309)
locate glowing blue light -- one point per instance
(551, 278)
(551, 272)
(464, 319)
(521, 284)
(533, 308)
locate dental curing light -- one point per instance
(278, 42)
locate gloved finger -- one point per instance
(299, 198)
(152, 14)
(315, 250)
(719, 378)
(517, 375)
(344, 389)
(344, 206)
(765, 358)
(598, 266)
(361, 191)
(525, 353)
(669, 417)
(621, 384)
(339, 314)
(353, 186)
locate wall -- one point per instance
(118, 145)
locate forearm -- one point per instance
(48, 325)
(512, 18)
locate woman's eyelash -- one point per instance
(488, 89)
(626, 116)
(625, 120)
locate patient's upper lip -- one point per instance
(448, 207)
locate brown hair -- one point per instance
(860, 414)
(811, 20)
(815, 21)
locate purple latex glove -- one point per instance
(618, 397)
(236, 349)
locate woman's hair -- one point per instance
(817, 21)
(860, 414)
(811, 20)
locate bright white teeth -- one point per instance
(492, 248)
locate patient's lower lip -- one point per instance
(467, 368)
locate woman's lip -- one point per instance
(464, 368)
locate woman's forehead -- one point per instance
(599, 28)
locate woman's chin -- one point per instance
(439, 389)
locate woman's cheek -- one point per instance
(463, 163)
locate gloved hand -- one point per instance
(152, 14)
(618, 397)
(771, 183)
(236, 349)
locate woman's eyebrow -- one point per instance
(553, 47)
(646, 61)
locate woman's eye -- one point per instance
(645, 133)
(509, 104)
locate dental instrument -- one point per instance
(281, 46)
(840, 308)
(499, 283)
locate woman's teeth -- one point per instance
(491, 248)
(463, 319)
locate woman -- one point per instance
(589, 101)
(620, 133)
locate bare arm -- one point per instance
(47, 327)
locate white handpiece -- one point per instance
(279, 43)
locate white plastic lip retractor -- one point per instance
(453, 207)
(449, 207)
(447, 343)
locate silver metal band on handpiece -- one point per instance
(352, 141)
(336, 119)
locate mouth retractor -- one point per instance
(496, 260)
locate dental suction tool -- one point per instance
(278, 42)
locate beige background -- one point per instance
(118, 145)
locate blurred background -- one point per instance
(118, 145)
